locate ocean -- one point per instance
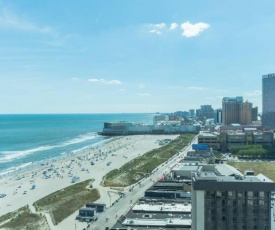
(28, 139)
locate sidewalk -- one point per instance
(124, 204)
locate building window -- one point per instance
(240, 194)
(250, 202)
(219, 194)
(262, 195)
(261, 202)
(250, 194)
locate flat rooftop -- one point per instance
(140, 220)
(186, 198)
(185, 167)
(208, 134)
(163, 207)
(209, 178)
(168, 222)
(236, 134)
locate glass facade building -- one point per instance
(268, 100)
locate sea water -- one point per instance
(28, 139)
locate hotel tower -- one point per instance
(268, 93)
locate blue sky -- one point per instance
(132, 56)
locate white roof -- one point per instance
(227, 170)
(163, 207)
(263, 178)
(157, 222)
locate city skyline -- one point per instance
(138, 56)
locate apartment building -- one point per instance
(226, 202)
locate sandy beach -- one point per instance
(29, 186)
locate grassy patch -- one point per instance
(65, 202)
(266, 168)
(218, 155)
(253, 151)
(22, 218)
(136, 169)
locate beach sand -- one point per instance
(60, 172)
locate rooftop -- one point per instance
(208, 134)
(226, 173)
(157, 222)
(163, 207)
(227, 170)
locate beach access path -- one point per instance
(59, 173)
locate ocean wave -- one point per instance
(79, 139)
(11, 155)
(7, 156)
(12, 170)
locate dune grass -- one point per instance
(22, 218)
(136, 169)
(65, 202)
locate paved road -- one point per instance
(124, 204)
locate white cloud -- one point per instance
(114, 82)
(192, 30)
(195, 88)
(155, 32)
(173, 26)
(159, 26)
(189, 29)
(144, 94)
(156, 28)
(75, 78)
(253, 94)
(103, 81)
(10, 20)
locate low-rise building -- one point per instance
(165, 206)
(263, 138)
(87, 214)
(212, 139)
(235, 139)
(98, 207)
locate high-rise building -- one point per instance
(198, 113)
(218, 116)
(254, 114)
(268, 92)
(191, 112)
(207, 112)
(246, 113)
(231, 109)
(234, 110)
(221, 201)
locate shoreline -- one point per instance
(35, 165)
(118, 151)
